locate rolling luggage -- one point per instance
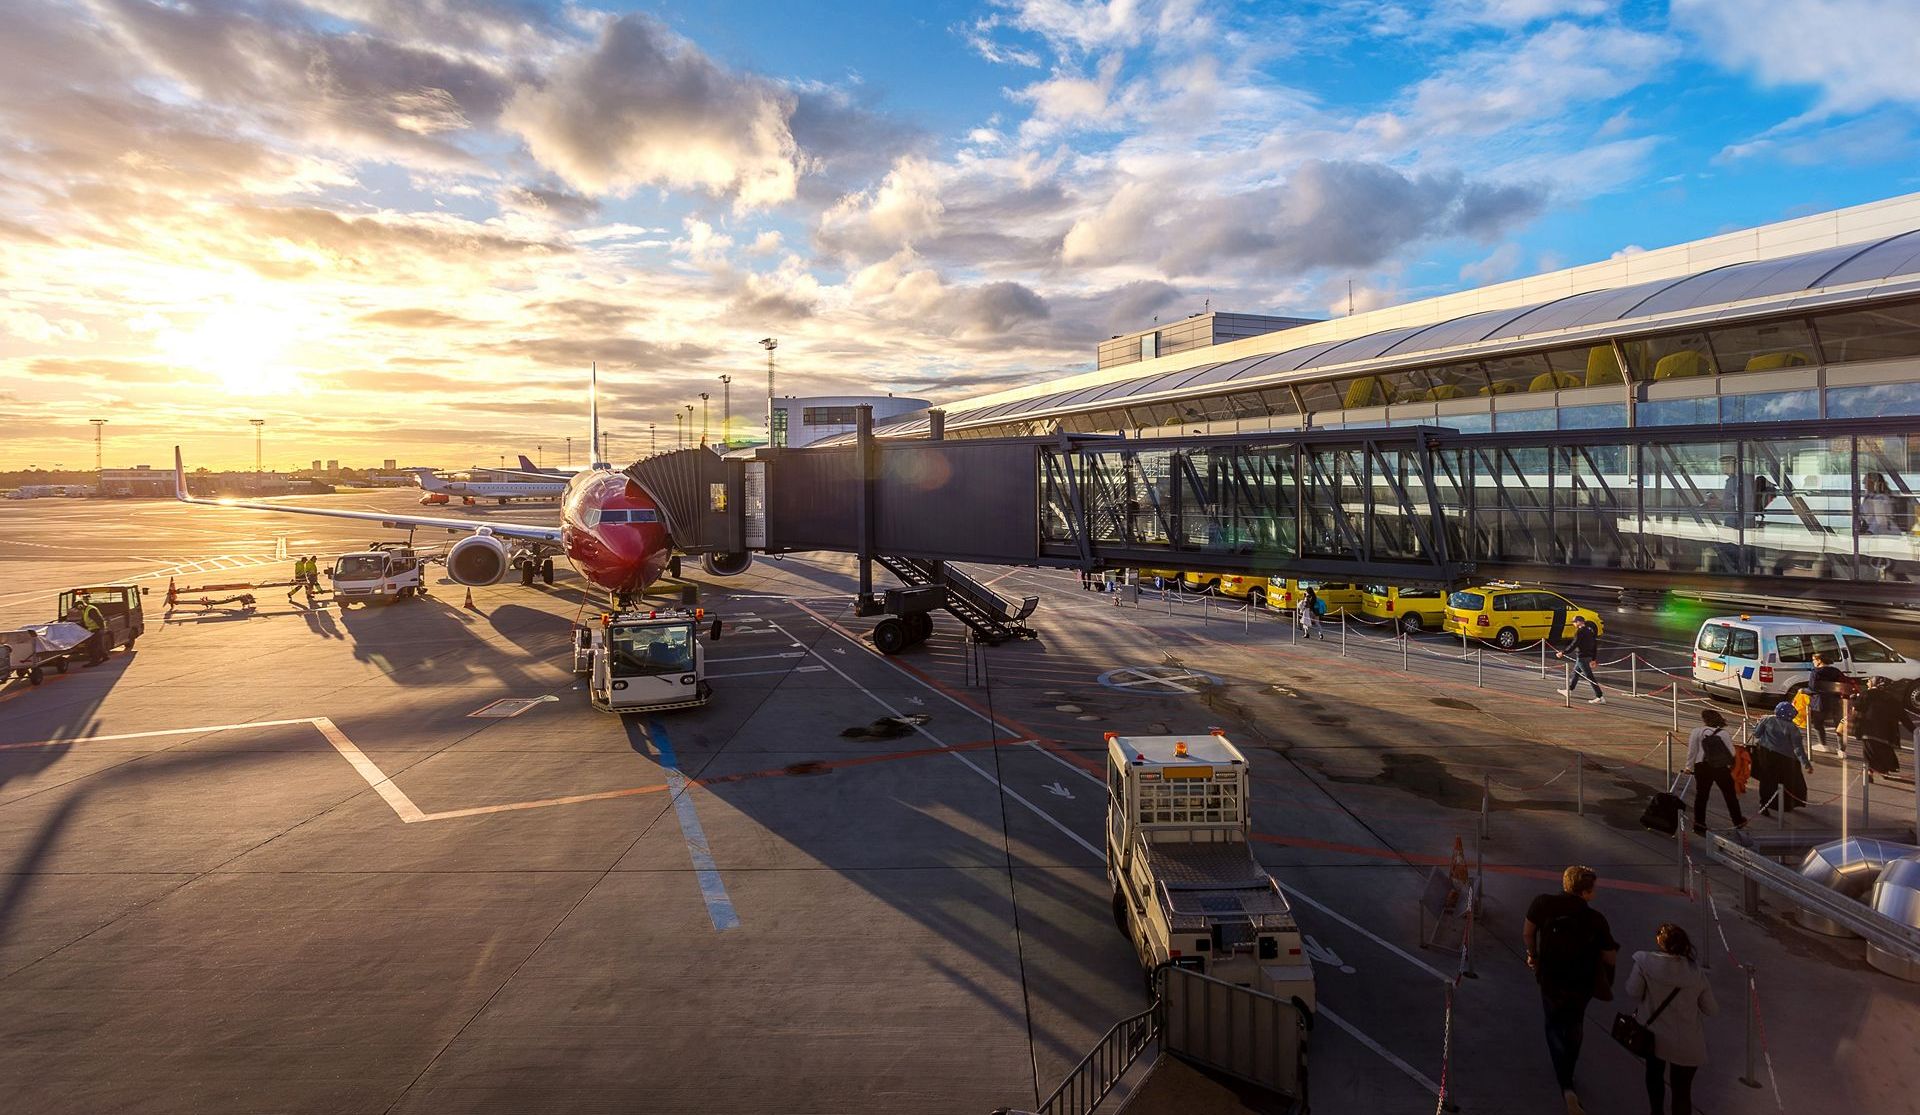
(1664, 808)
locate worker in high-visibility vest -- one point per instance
(96, 625)
(299, 579)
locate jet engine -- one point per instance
(726, 565)
(479, 559)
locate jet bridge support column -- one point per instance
(867, 453)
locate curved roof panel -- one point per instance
(1462, 330)
(1896, 255)
(1592, 308)
(1369, 345)
(1165, 381)
(1743, 281)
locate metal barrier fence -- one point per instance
(1257, 1037)
(1088, 1082)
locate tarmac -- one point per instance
(274, 861)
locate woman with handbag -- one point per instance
(1668, 996)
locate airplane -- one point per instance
(469, 489)
(610, 530)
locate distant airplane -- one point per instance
(468, 489)
(609, 529)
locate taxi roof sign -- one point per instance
(1206, 747)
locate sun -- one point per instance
(245, 346)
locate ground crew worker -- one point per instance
(299, 579)
(96, 625)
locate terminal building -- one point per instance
(798, 422)
(1744, 407)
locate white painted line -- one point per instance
(164, 732)
(1293, 894)
(1386, 1054)
(749, 674)
(970, 765)
(752, 657)
(376, 778)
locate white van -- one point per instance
(1771, 657)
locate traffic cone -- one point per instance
(469, 604)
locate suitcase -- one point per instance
(1664, 808)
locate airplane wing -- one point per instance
(430, 522)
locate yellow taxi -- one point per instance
(1411, 609)
(1243, 586)
(1284, 593)
(1510, 614)
(1199, 582)
(1159, 578)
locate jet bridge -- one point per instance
(1357, 505)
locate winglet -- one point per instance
(179, 477)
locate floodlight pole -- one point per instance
(726, 411)
(704, 433)
(99, 425)
(257, 424)
(769, 343)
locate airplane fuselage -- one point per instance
(612, 532)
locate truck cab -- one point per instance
(1187, 889)
(645, 661)
(119, 605)
(384, 572)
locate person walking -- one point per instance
(1710, 761)
(1669, 996)
(1571, 951)
(1829, 701)
(299, 580)
(1308, 612)
(1780, 761)
(1586, 655)
(1882, 716)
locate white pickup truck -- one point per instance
(385, 572)
(1187, 889)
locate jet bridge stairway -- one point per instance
(992, 617)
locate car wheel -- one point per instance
(130, 640)
(890, 636)
(1507, 639)
(1410, 623)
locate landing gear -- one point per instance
(546, 571)
(526, 573)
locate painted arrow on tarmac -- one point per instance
(1057, 790)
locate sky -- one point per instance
(403, 228)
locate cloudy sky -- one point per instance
(401, 228)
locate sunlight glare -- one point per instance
(243, 345)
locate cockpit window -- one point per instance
(651, 651)
(629, 515)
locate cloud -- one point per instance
(904, 289)
(360, 241)
(1855, 53)
(1085, 26)
(645, 107)
(1326, 214)
(623, 352)
(415, 319)
(564, 206)
(1535, 79)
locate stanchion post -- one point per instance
(1486, 805)
(1668, 748)
(1633, 673)
(1706, 918)
(1343, 633)
(1680, 846)
(1478, 680)
(1543, 656)
(1403, 652)
(1866, 784)
(1846, 795)
(1675, 686)
(1566, 685)
(1751, 1079)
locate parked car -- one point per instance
(1284, 593)
(1411, 609)
(1510, 614)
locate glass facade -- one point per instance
(1828, 508)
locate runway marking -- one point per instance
(1386, 1054)
(1293, 893)
(938, 742)
(712, 890)
(763, 673)
(752, 657)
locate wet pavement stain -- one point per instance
(1454, 702)
(810, 767)
(887, 727)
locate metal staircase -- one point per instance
(992, 617)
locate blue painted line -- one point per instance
(712, 890)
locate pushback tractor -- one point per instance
(648, 661)
(1187, 889)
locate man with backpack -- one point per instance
(1571, 951)
(1710, 761)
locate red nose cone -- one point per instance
(613, 534)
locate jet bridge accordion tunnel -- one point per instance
(1360, 506)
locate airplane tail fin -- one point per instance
(428, 480)
(179, 477)
(527, 465)
(594, 459)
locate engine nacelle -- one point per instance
(726, 565)
(480, 560)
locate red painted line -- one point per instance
(1420, 860)
(822, 766)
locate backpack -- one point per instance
(1566, 951)
(1714, 751)
(1319, 606)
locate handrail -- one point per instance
(1901, 940)
(1089, 1082)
